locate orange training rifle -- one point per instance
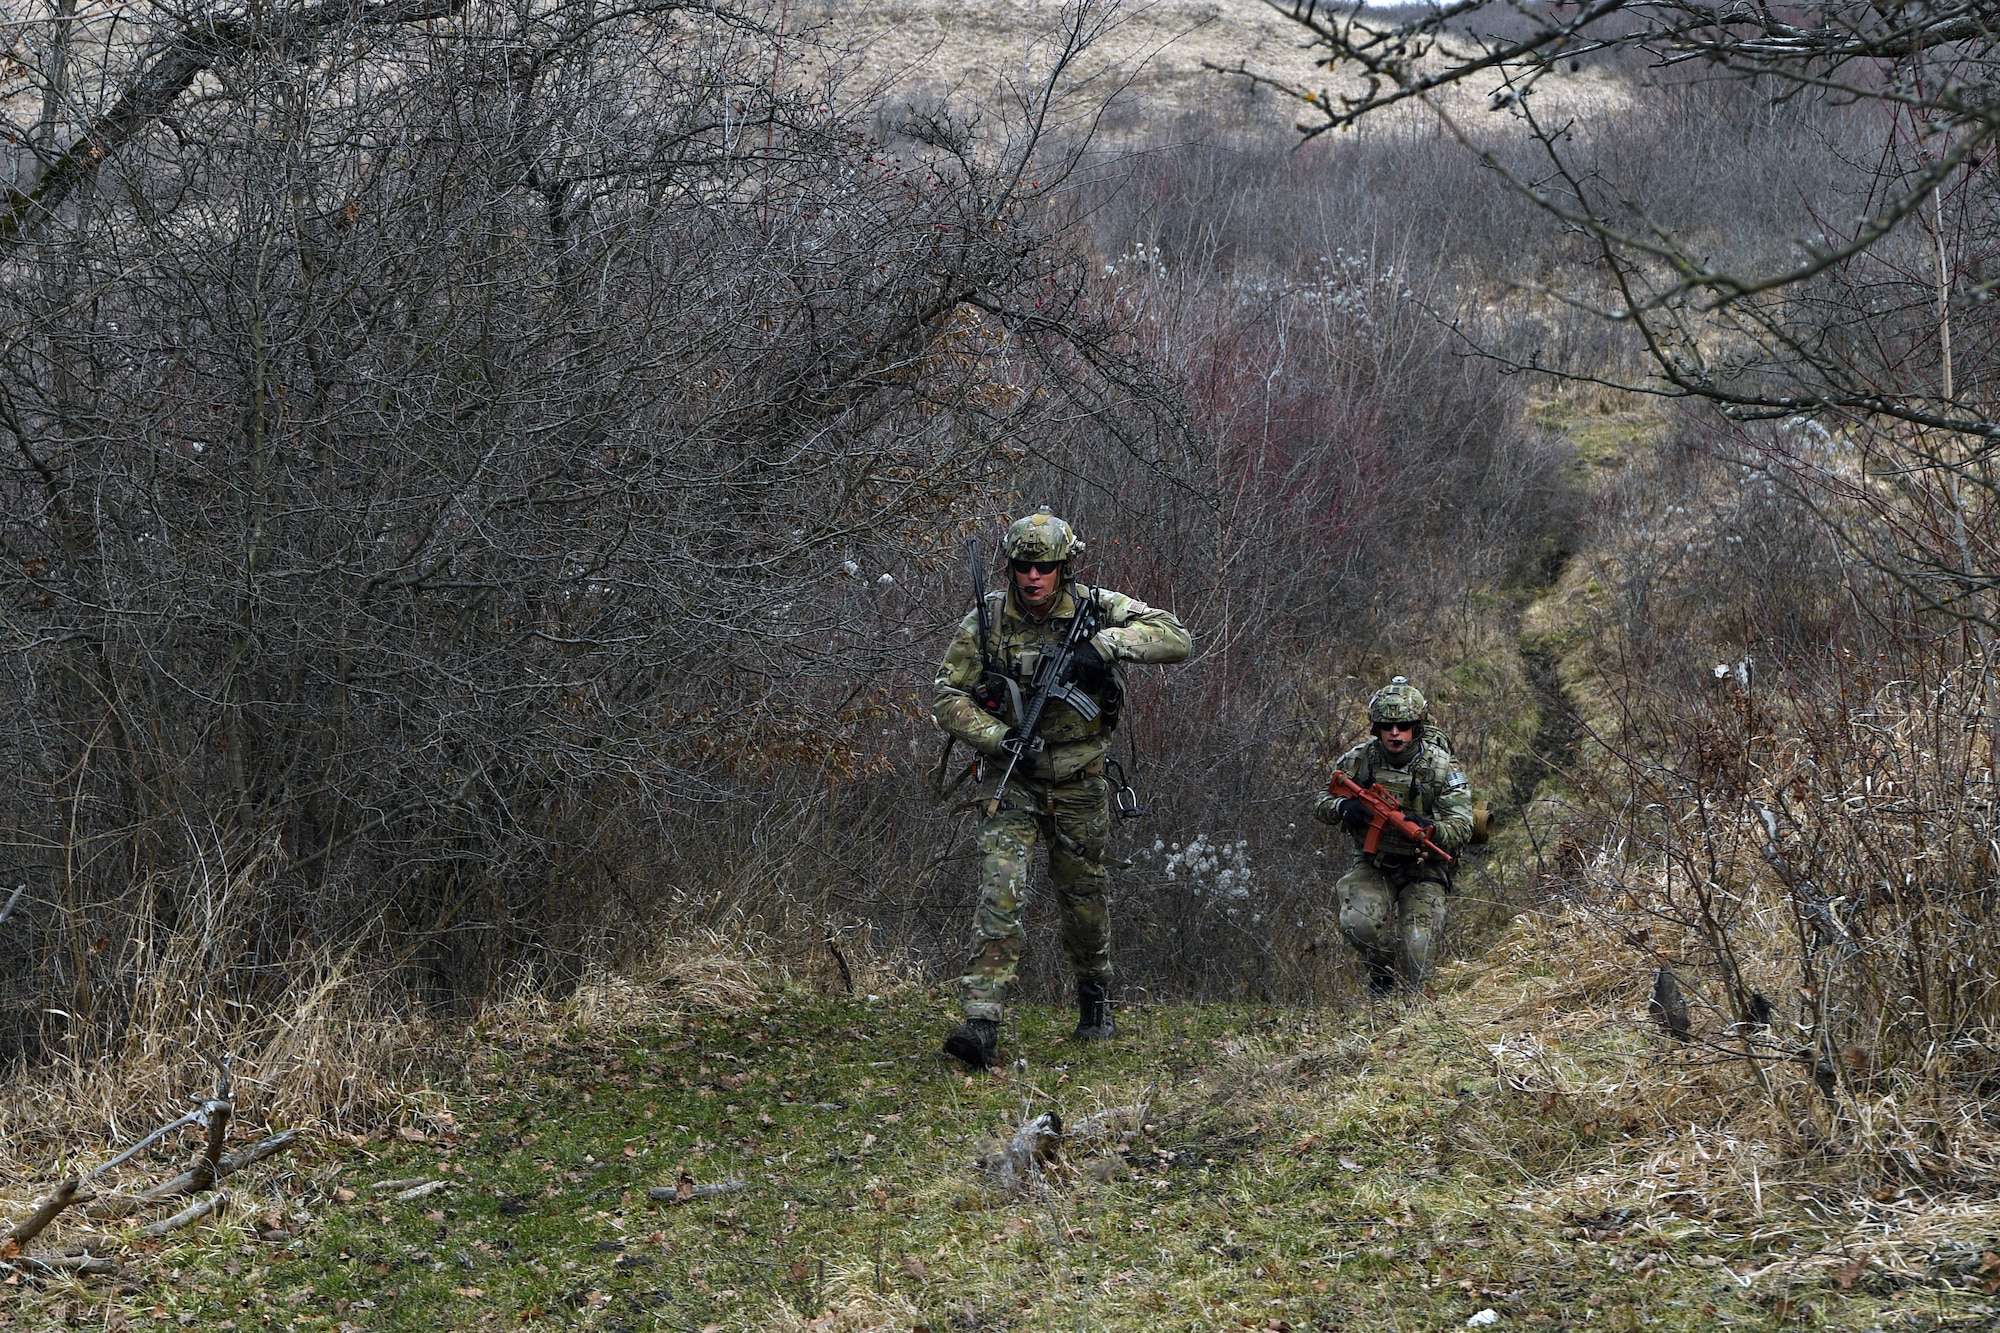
(1384, 812)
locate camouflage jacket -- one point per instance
(1131, 632)
(1427, 783)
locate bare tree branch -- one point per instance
(168, 75)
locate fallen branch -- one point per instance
(68, 1192)
(1033, 1144)
(688, 1191)
(1111, 1121)
(71, 1264)
(124, 1205)
(209, 1164)
(423, 1191)
(214, 1203)
(255, 1153)
(146, 1143)
(12, 898)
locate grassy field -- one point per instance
(1256, 1168)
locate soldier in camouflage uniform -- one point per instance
(1058, 794)
(1400, 880)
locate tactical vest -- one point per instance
(1414, 780)
(1418, 778)
(1015, 647)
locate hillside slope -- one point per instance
(1149, 60)
(1389, 1168)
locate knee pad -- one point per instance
(1362, 933)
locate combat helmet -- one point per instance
(1398, 701)
(1041, 536)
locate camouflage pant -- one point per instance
(1075, 817)
(1370, 895)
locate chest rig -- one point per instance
(1411, 784)
(1011, 654)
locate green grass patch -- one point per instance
(1296, 1169)
(1608, 429)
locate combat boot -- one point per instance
(975, 1041)
(1381, 979)
(1093, 1012)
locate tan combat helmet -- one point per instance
(1041, 536)
(1398, 701)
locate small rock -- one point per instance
(1487, 1316)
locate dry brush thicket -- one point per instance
(484, 493)
(441, 445)
(1782, 637)
(1786, 807)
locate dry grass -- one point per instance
(1658, 844)
(1156, 56)
(865, 1313)
(342, 1056)
(1609, 1119)
(336, 1057)
(1304, 1166)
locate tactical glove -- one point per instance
(1352, 813)
(1089, 668)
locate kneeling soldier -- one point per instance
(1399, 879)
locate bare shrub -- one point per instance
(1812, 250)
(487, 495)
(1791, 625)
(460, 472)
(1790, 807)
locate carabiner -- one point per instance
(1124, 799)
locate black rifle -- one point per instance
(991, 693)
(1053, 680)
(995, 691)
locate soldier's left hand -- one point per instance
(1092, 672)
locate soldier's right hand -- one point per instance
(1352, 813)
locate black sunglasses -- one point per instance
(1396, 726)
(1039, 566)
